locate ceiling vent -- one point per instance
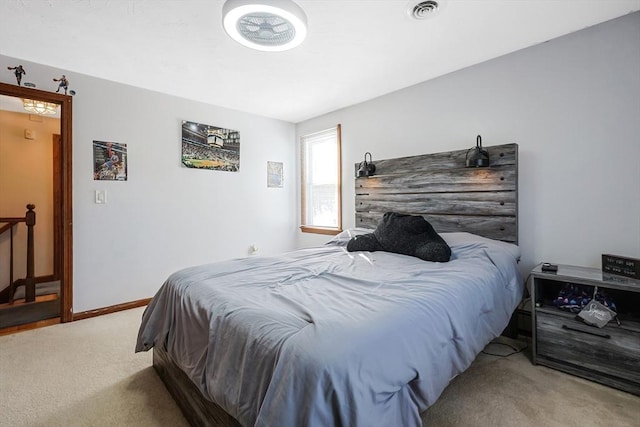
(424, 9)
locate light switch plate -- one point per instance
(101, 197)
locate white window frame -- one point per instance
(336, 133)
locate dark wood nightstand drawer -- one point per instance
(612, 350)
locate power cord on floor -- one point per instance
(515, 351)
(516, 345)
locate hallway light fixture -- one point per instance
(266, 25)
(39, 107)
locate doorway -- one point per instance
(58, 259)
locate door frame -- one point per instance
(63, 223)
(57, 244)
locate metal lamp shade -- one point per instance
(477, 157)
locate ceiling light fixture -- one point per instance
(39, 107)
(267, 25)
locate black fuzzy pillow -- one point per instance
(406, 235)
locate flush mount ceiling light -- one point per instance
(39, 107)
(267, 25)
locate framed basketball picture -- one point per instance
(109, 161)
(210, 147)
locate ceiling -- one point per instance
(355, 50)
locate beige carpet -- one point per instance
(86, 374)
(511, 391)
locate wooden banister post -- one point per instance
(11, 285)
(30, 280)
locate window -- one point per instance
(321, 182)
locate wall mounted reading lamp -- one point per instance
(365, 168)
(476, 156)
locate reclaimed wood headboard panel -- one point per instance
(451, 197)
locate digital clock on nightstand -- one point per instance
(621, 266)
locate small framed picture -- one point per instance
(109, 161)
(274, 174)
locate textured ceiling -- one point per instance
(355, 50)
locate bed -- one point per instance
(323, 336)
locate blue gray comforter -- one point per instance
(324, 337)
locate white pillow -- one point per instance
(462, 238)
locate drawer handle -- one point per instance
(598, 334)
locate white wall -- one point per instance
(165, 217)
(573, 107)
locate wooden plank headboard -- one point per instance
(451, 197)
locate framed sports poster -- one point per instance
(109, 161)
(210, 147)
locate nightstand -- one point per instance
(608, 355)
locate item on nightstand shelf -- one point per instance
(549, 268)
(574, 298)
(596, 314)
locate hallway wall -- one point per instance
(26, 176)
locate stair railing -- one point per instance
(29, 281)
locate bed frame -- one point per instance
(437, 186)
(196, 409)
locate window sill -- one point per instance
(320, 230)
